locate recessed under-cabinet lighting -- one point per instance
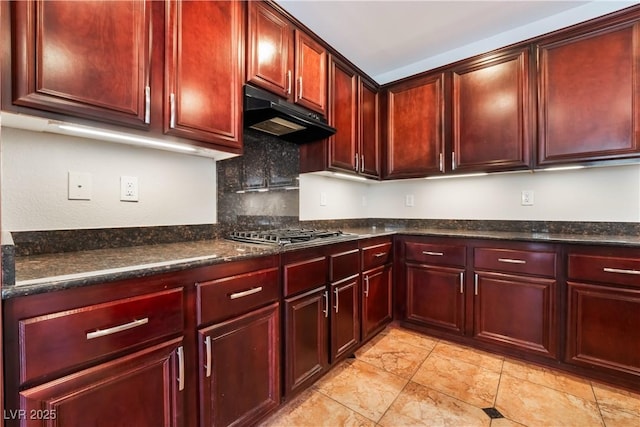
(469, 175)
(561, 168)
(122, 137)
(343, 175)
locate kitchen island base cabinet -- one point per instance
(141, 389)
(240, 368)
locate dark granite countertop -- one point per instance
(45, 273)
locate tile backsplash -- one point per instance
(262, 184)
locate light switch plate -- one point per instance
(80, 186)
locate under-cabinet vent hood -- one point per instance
(267, 113)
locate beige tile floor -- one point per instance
(402, 378)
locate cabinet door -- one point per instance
(143, 389)
(589, 96)
(415, 128)
(269, 50)
(516, 311)
(603, 328)
(376, 300)
(435, 297)
(345, 316)
(311, 73)
(84, 58)
(306, 323)
(240, 368)
(204, 72)
(343, 115)
(491, 115)
(369, 130)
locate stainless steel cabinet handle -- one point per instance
(380, 254)
(300, 93)
(433, 253)
(621, 271)
(453, 161)
(172, 102)
(356, 168)
(147, 105)
(289, 82)
(104, 332)
(512, 261)
(475, 285)
(366, 289)
(441, 162)
(326, 304)
(337, 292)
(246, 293)
(362, 163)
(180, 352)
(207, 345)
(462, 282)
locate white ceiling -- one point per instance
(390, 40)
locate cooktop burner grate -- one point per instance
(283, 236)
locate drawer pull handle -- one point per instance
(380, 254)
(433, 253)
(621, 271)
(207, 344)
(512, 261)
(246, 293)
(180, 351)
(103, 332)
(462, 282)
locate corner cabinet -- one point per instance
(589, 87)
(491, 113)
(86, 59)
(285, 60)
(204, 71)
(414, 128)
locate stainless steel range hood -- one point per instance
(267, 113)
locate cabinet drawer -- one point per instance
(375, 256)
(605, 269)
(305, 275)
(536, 263)
(344, 264)
(58, 341)
(437, 254)
(230, 296)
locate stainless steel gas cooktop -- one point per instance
(285, 236)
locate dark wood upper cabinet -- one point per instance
(84, 59)
(415, 128)
(269, 50)
(491, 114)
(343, 115)
(369, 121)
(284, 59)
(204, 70)
(589, 95)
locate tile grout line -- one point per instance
(595, 396)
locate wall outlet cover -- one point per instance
(129, 188)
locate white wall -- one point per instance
(174, 189)
(592, 194)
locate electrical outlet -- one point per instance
(409, 200)
(527, 198)
(323, 199)
(129, 188)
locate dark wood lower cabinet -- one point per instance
(345, 316)
(435, 297)
(603, 328)
(377, 308)
(306, 328)
(142, 389)
(516, 311)
(240, 368)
